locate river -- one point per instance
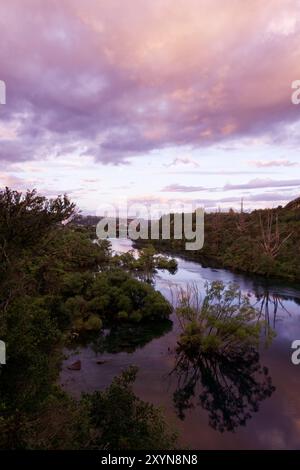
(272, 423)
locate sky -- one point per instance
(151, 101)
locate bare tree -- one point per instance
(272, 239)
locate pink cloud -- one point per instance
(118, 82)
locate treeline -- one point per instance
(264, 242)
(54, 282)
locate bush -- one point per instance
(126, 422)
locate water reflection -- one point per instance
(269, 307)
(124, 337)
(229, 387)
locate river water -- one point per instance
(273, 422)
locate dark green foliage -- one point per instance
(125, 421)
(114, 295)
(112, 419)
(54, 280)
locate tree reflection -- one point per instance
(229, 387)
(217, 360)
(124, 337)
(269, 305)
(129, 338)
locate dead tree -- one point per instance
(272, 239)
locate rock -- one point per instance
(75, 366)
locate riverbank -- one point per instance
(215, 262)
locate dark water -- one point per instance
(271, 422)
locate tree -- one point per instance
(272, 239)
(217, 356)
(26, 218)
(225, 319)
(124, 421)
(146, 264)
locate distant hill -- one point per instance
(293, 205)
(86, 220)
(92, 220)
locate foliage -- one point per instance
(54, 280)
(147, 264)
(112, 419)
(224, 321)
(264, 242)
(125, 421)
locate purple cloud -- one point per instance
(120, 85)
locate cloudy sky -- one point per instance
(151, 100)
